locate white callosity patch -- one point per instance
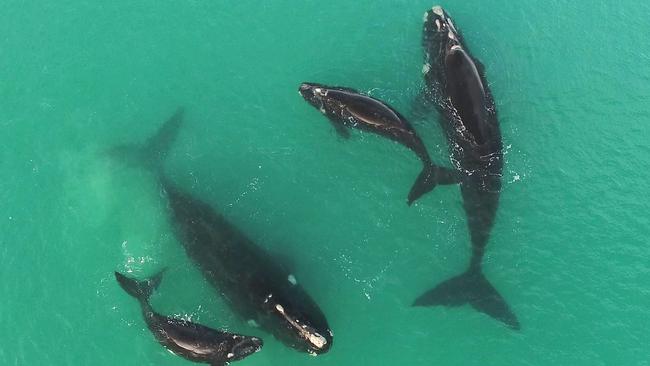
(426, 68)
(231, 355)
(317, 340)
(438, 10)
(314, 338)
(292, 279)
(426, 16)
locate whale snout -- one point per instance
(304, 87)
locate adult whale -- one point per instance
(192, 341)
(346, 108)
(455, 83)
(256, 286)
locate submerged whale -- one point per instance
(258, 288)
(455, 83)
(192, 341)
(347, 108)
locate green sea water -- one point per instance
(569, 250)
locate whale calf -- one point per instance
(455, 83)
(192, 341)
(347, 108)
(258, 288)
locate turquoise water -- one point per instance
(568, 251)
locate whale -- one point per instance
(455, 84)
(347, 108)
(259, 288)
(192, 341)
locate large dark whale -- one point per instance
(455, 83)
(258, 288)
(187, 339)
(346, 107)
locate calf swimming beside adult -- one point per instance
(192, 341)
(346, 108)
(257, 287)
(456, 85)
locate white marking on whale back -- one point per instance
(253, 323)
(280, 308)
(426, 16)
(231, 355)
(426, 68)
(292, 279)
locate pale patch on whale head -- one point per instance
(451, 25)
(292, 279)
(320, 91)
(426, 68)
(317, 340)
(438, 10)
(230, 355)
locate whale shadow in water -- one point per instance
(192, 341)
(455, 84)
(256, 286)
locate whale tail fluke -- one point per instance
(471, 287)
(140, 289)
(153, 152)
(430, 176)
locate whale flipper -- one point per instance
(471, 287)
(141, 290)
(153, 152)
(341, 130)
(430, 176)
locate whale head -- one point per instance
(297, 321)
(440, 28)
(315, 94)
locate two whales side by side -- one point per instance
(258, 288)
(347, 108)
(192, 341)
(455, 84)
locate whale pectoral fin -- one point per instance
(421, 107)
(341, 130)
(447, 176)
